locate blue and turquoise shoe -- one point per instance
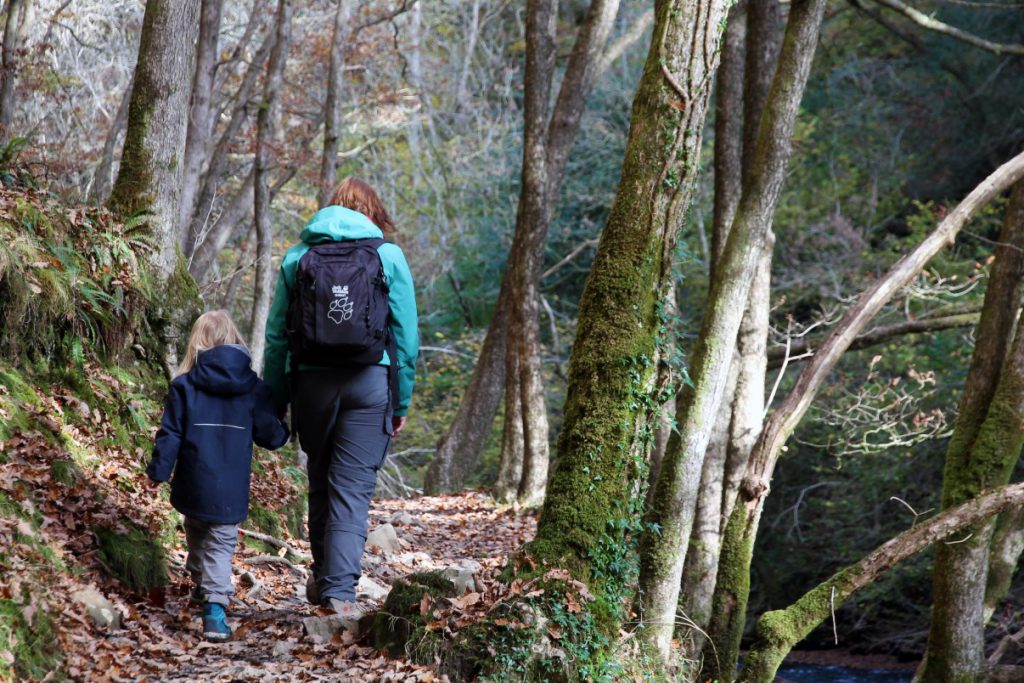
(215, 623)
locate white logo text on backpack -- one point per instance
(341, 307)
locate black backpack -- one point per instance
(338, 311)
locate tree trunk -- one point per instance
(261, 193)
(200, 121)
(149, 177)
(731, 593)
(594, 503)
(510, 467)
(1004, 554)
(728, 131)
(747, 402)
(663, 553)
(698, 582)
(332, 124)
(524, 262)
(19, 17)
(978, 459)
(545, 153)
(104, 176)
(778, 631)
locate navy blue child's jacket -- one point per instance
(212, 416)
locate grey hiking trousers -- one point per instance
(210, 547)
(342, 417)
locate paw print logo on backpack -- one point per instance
(341, 308)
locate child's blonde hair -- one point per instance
(212, 328)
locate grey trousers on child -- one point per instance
(342, 418)
(210, 547)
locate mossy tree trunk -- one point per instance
(19, 17)
(594, 502)
(332, 124)
(985, 445)
(261, 191)
(733, 582)
(779, 631)
(664, 550)
(149, 177)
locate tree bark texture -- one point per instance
(698, 582)
(261, 192)
(1004, 554)
(332, 124)
(524, 384)
(19, 17)
(728, 131)
(733, 583)
(594, 503)
(104, 176)
(985, 445)
(663, 553)
(779, 630)
(545, 154)
(200, 120)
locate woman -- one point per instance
(345, 407)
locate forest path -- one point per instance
(270, 642)
(55, 558)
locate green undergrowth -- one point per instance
(71, 279)
(29, 649)
(30, 638)
(133, 558)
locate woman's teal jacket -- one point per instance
(334, 224)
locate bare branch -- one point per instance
(933, 24)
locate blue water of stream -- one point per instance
(820, 673)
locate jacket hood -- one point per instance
(224, 370)
(336, 223)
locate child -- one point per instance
(216, 408)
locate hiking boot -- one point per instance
(215, 624)
(196, 596)
(312, 592)
(348, 613)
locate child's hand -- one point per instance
(151, 485)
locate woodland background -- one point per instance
(427, 101)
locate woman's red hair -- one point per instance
(356, 194)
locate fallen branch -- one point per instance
(275, 542)
(779, 631)
(273, 559)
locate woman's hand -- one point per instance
(397, 424)
(151, 485)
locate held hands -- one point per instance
(397, 424)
